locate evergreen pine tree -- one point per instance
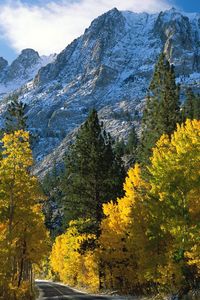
(15, 116)
(197, 107)
(51, 207)
(119, 148)
(131, 149)
(93, 175)
(132, 143)
(162, 111)
(191, 107)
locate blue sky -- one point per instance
(49, 25)
(188, 5)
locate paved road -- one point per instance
(53, 291)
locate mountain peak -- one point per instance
(172, 13)
(173, 10)
(176, 13)
(26, 59)
(105, 24)
(109, 68)
(107, 17)
(113, 11)
(29, 52)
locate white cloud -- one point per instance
(50, 27)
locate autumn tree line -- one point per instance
(134, 231)
(23, 235)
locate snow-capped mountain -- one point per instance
(109, 67)
(23, 69)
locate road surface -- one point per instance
(53, 291)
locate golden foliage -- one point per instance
(72, 266)
(175, 182)
(23, 235)
(150, 237)
(123, 234)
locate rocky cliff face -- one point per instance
(180, 36)
(109, 67)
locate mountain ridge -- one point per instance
(109, 67)
(21, 70)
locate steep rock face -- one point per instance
(173, 26)
(87, 52)
(109, 67)
(180, 36)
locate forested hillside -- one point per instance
(144, 239)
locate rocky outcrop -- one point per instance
(23, 65)
(22, 69)
(180, 36)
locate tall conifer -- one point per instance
(93, 174)
(162, 111)
(15, 115)
(191, 107)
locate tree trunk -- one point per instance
(22, 263)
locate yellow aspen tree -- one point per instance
(123, 234)
(175, 182)
(73, 265)
(24, 237)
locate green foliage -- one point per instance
(52, 206)
(191, 107)
(119, 148)
(149, 238)
(15, 116)
(129, 150)
(132, 143)
(93, 174)
(162, 111)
